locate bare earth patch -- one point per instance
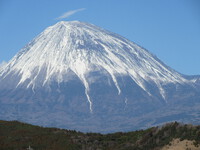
(176, 144)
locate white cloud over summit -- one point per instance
(69, 13)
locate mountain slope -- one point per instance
(82, 76)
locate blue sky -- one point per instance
(170, 29)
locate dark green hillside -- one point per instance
(18, 136)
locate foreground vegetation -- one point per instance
(15, 135)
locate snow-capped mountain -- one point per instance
(80, 76)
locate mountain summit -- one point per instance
(78, 76)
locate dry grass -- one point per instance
(176, 144)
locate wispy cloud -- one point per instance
(69, 13)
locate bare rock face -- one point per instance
(76, 75)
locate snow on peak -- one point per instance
(83, 48)
(2, 63)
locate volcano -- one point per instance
(78, 76)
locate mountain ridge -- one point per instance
(153, 138)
